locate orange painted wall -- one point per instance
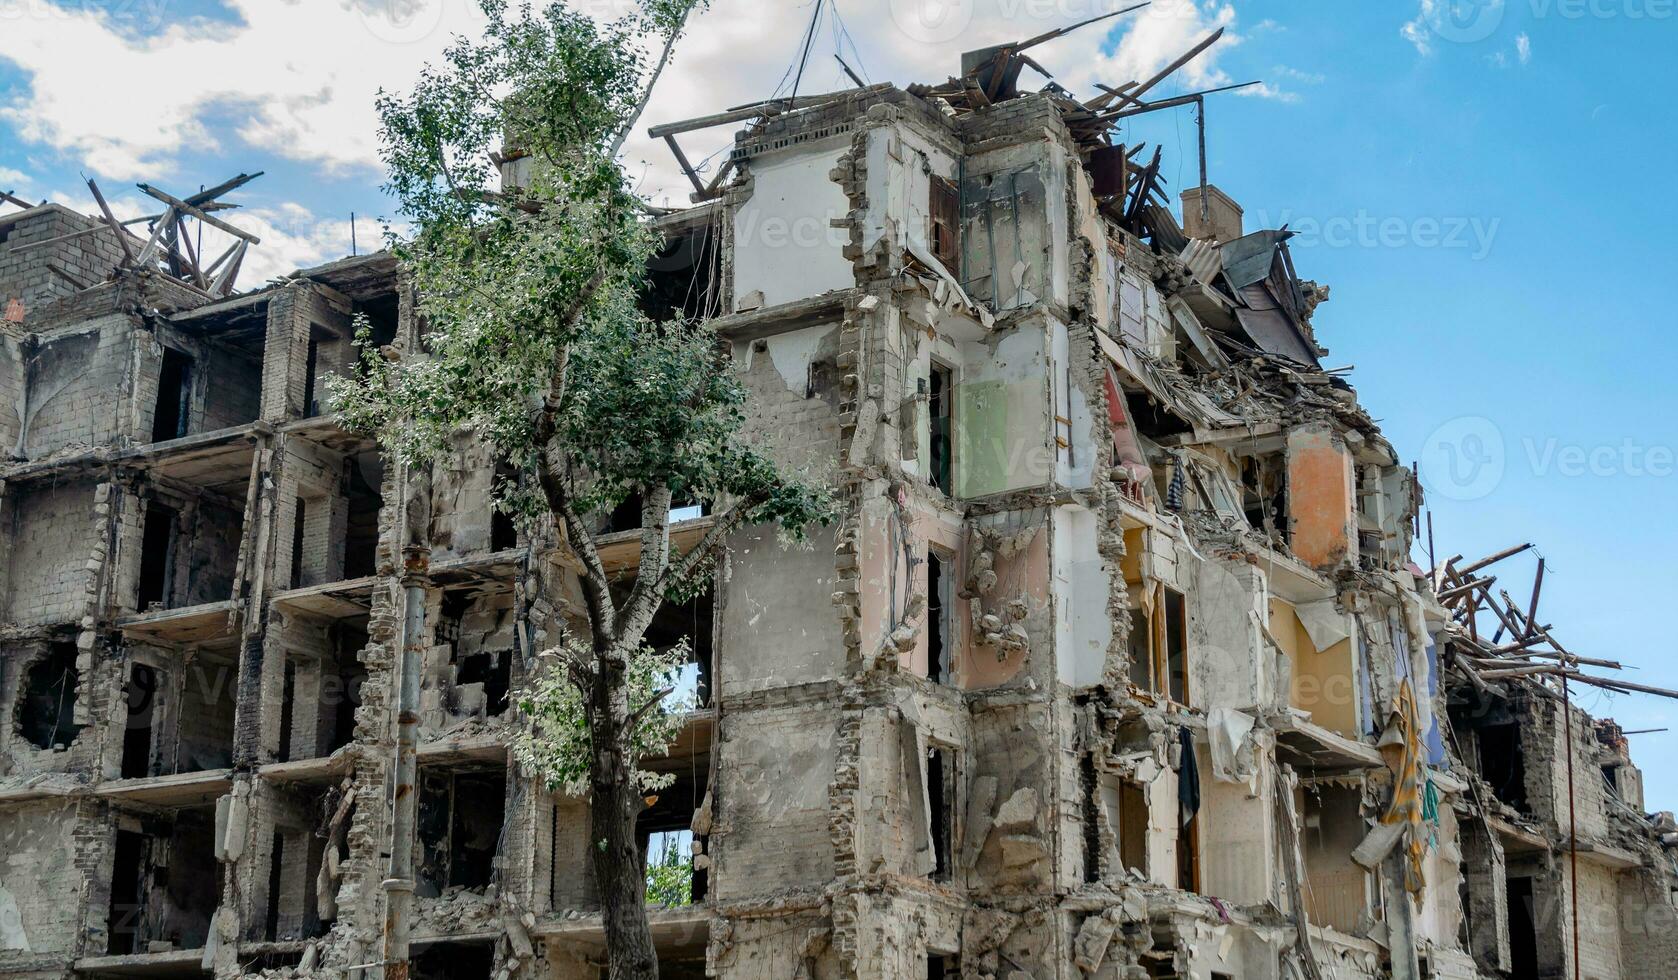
(1322, 497)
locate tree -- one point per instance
(535, 345)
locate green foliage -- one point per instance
(555, 742)
(670, 875)
(513, 284)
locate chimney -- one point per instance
(1221, 221)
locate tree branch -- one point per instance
(597, 589)
(678, 571)
(634, 719)
(647, 93)
(644, 599)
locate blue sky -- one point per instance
(1480, 183)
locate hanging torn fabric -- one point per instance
(1188, 778)
(1228, 731)
(1400, 745)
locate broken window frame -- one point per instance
(943, 211)
(1165, 646)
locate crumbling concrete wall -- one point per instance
(37, 847)
(784, 247)
(774, 775)
(776, 624)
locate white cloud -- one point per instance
(1418, 31)
(1523, 47)
(298, 77)
(1295, 75)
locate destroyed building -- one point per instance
(1116, 665)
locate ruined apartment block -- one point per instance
(1116, 665)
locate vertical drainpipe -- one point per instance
(399, 882)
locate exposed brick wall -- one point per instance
(48, 557)
(28, 275)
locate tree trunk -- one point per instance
(613, 807)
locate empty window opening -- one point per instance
(1089, 781)
(1176, 646)
(455, 961)
(940, 437)
(683, 277)
(204, 724)
(341, 689)
(292, 909)
(459, 824)
(1133, 827)
(127, 886)
(664, 831)
(1503, 763)
(276, 863)
(299, 523)
(1188, 854)
(687, 622)
(503, 532)
(1264, 494)
(493, 670)
(288, 699)
(174, 397)
(47, 706)
(382, 315)
(939, 633)
(157, 556)
(943, 966)
(1523, 928)
(138, 735)
(361, 539)
(480, 678)
(322, 343)
(165, 882)
(669, 864)
(1332, 827)
(626, 516)
(940, 788)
